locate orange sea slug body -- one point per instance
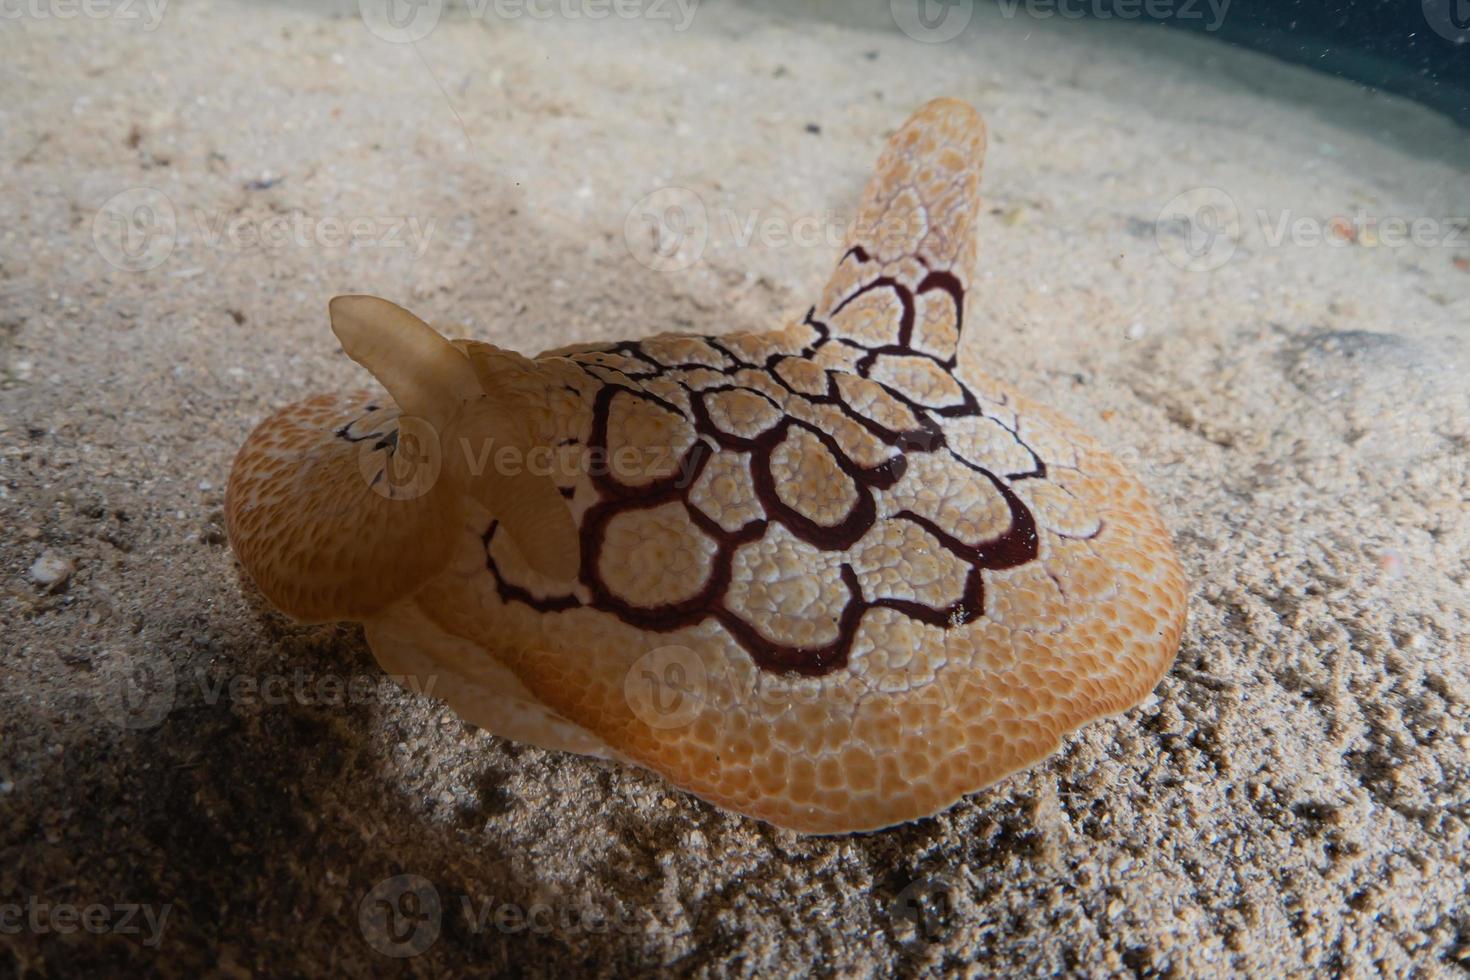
(827, 576)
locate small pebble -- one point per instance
(51, 570)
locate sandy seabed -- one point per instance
(1293, 798)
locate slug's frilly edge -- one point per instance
(827, 576)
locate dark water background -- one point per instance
(1418, 49)
(1415, 48)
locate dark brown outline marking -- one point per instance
(1018, 545)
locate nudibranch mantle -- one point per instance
(828, 576)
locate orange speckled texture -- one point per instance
(871, 578)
